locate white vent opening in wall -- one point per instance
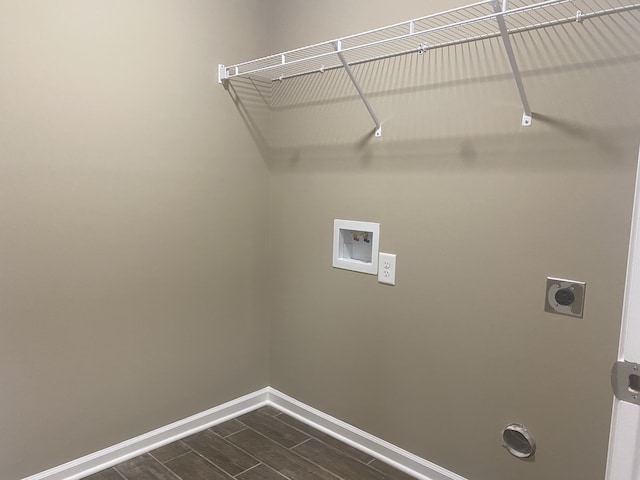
(355, 246)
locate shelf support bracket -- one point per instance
(338, 46)
(223, 73)
(500, 10)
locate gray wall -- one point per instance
(479, 211)
(129, 181)
(133, 222)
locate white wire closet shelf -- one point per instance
(477, 21)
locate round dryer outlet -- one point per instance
(564, 297)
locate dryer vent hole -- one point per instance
(518, 441)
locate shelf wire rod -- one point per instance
(473, 27)
(401, 37)
(572, 19)
(534, 16)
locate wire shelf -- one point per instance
(469, 23)
(477, 21)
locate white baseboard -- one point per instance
(108, 457)
(374, 446)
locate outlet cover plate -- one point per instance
(564, 297)
(387, 268)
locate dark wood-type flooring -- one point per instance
(264, 444)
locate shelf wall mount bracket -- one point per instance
(501, 9)
(338, 46)
(223, 73)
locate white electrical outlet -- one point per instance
(387, 268)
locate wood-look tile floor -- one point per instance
(264, 444)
